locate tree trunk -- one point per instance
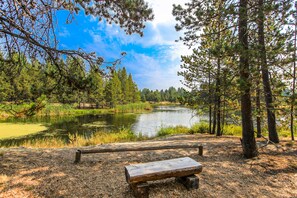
(248, 138)
(258, 103)
(258, 107)
(294, 79)
(209, 100)
(218, 97)
(224, 113)
(273, 136)
(213, 131)
(218, 83)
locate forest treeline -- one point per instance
(179, 95)
(30, 82)
(243, 63)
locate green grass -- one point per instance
(9, 130)
(133, 107)
(202, 127)
(172, 131)
(68, 109)
(232, 129)
(56, 109)
(124, 135)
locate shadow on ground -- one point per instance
(51, 172)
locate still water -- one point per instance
(164, 116)
(147, 124)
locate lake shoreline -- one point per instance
(70, 128)
(29, 172)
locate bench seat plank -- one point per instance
(151, 171)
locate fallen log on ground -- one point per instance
(125, 149)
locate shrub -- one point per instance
(201, 127)
(172, 131)
(232, 129)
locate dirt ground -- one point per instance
(51, 173)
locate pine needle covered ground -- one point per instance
(28, 172)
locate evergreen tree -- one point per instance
(113, 91)
(96, 92)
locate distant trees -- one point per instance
(35, 80)
(120, 89)
(170, 95)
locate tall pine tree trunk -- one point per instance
(213, 131)
(224, 113)
(248, 138)
(294, 78)
(258, 102)
(209, 101)
(218, 97)
(218, 81)
(273, 136)
(258, 107)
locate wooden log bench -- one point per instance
(183, 169)
(147, 148)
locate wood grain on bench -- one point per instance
(151, 171)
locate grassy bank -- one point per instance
(202, 127)
(133, 108)
(123, 135)
(68, 109)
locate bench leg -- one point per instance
(200, 150)
(140, 190)
(77, 156)
(190, 182)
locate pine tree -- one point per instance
(113, 91)
(248, 138)
(273, 136)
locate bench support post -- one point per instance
(200, 150)
(77, 156)
(190, 182)
(140, 190)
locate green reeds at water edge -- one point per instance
(133, 107)
(203, 127)
(52, 109)
(67, 109)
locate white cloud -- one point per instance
(163, 28)
(163, 10)
(150, 72)
(154, 72)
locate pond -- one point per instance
(147, 124)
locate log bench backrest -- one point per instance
(151, 171)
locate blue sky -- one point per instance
(153, 59)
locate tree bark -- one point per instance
(218, 97)
(209, 100)
(294, 79)
(248, 138)
(258, 106)
(218, 81)
(213, 131)
(273, 136)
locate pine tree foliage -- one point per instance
(36, 80)
(230, 66)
